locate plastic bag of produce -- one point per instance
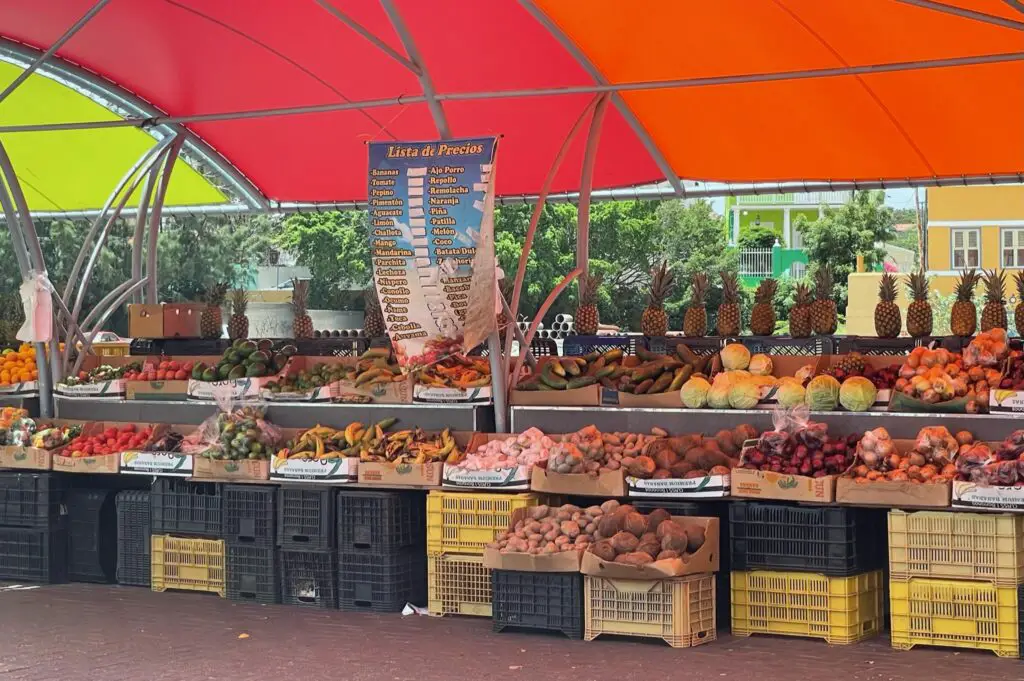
(236, 432)
(987, 349)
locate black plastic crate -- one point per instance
(309, 578)
(146, 346)
(133, 542)
(29, 554)
(381, 521)
(833, 541)
(305, 517)
(92, 536)
(869, 345)
(31, 499)
(249, 514)
(185, 508)
(252, 574)
(552, 601)
(675, 507)
(349, 346)
(789, 346)
(705, 345)
(576, 346)
(382, 582)
(544, 347)
(194, 346)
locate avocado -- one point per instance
(259, 357)
(246, 348)
(288, 350)
(197, 371)
(237, 372)
(223, 370)
(238, 342)
(235, 357)
(209, 375)
(279, 362)
(265, 345)
(256, 369)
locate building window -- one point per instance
(1013, 248)
(966, 248)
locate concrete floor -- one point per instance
(76, 632)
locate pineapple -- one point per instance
(1018, 311)
(211, 320)
(654, 321)
(587, 318)
(238, 325)
(695, 321)
(963, 317)
(800, 313)
(762, 317)
(823, 309)
(729, 310)
(302, 325)
(373, 316)
(993, 315)
(888, 320)
(919, 312)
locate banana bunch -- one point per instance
(414, 446)
(326, 443)
(376, 365)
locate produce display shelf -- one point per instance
(371, 520)
(467, 417)
(466, 522)
(133, 542)
(551, 601)
(382, 582)
(187, 564)
(680, 611)
(458, 585)
(986, 427)
(252, 573)
(834, 541)
(840, 610)
(985, 547)
(954, 613)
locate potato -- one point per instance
(603, 549)
(538, 512)
(534, 536)
(742, 433)
(695, 539)
(696, 473)
(624, 542)
(568, 508)
(591, 528)
(562, 540)
(582, 541)
(551, 534)
(519, 526)
(570, 529)
(550, 547)
(719, 470)
(626, 508)
(532, 527)
(655, 518)
(642, 467)
(594, 511)
(610, 506)
(661, 474)
(725, 442)
(634, 558)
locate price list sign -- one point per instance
(431, 207)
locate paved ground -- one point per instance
(77, 632)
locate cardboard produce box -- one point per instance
(34, 458)
(335, 470)
(23, 389)
(156, 390)
(589, 396)
(435, 395)
(145, 321)
(605, 484)
(108, 463)
(181, 320)
(344, 391)
(152, 461)
(115, 389)
(513, 478)
(971, 495)
(706, 559)
(400, 475)
(1003, 401)
(563, 561)
(894, 493)
(767, 485)
(242, 470)
(708, 486)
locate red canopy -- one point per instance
(933, 120)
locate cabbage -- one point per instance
(760, 365)
(804, 372)
(857, 394)
(739, 373)
(822, 393)
(744, 394)
(735, 356)
(790, 393)
(718, 396)
(694, 393)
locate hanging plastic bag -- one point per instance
(237, 432)
(36, 292)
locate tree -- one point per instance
(857, 228)
(335, 246)
(757, 236)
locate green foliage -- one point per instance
(756, 236)
(335, 246)
(843, 233)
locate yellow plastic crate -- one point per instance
(681, 611)
(956, 614)
(112, 349)
(840, 610)
(952, 545)
(458, 585)
(466, 522)
(187, 564)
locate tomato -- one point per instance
(161, 375)
(130, 428)
(187, 367)
(109, 432)
(173, 366)
(163, 366)
(180, 375)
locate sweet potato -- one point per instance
(570, 529)
(538, 512)
(695, 539)
(610, 524)
(655, 518)
(675, 541)
(651, 548)
(635, 524)
(561, 540)
(719, 470)
(725, 442)
(664, 555)
(642, 467)
(624, 542)
(695, 473)
(680, 469)
(742, 433)
(634, 558)
(664, 459)
(593, 511)
(661, 474)
(603, 549)
(681, 444)
(610, 506)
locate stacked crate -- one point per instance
(459, 526)
(381, 550)
(33, 527)
(92, 535)
(187, 548)
(307, 540)
(250, 537)
(133, 537)
(806, 571)
(954, 580)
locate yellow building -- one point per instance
(980, 227)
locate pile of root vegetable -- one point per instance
(612, 531)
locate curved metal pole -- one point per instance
(97, 248)
(152, 290)
(513, 380)
(377, 42)
(103, 320)
(99, 306)
(144, 161)
(140, 226)
(586, 185)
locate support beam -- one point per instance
(153, 288)
(140, 226)
(365, 33)
(965, 13)
(587, 184)
(429, 94)
(57, 44)
(87, 345)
